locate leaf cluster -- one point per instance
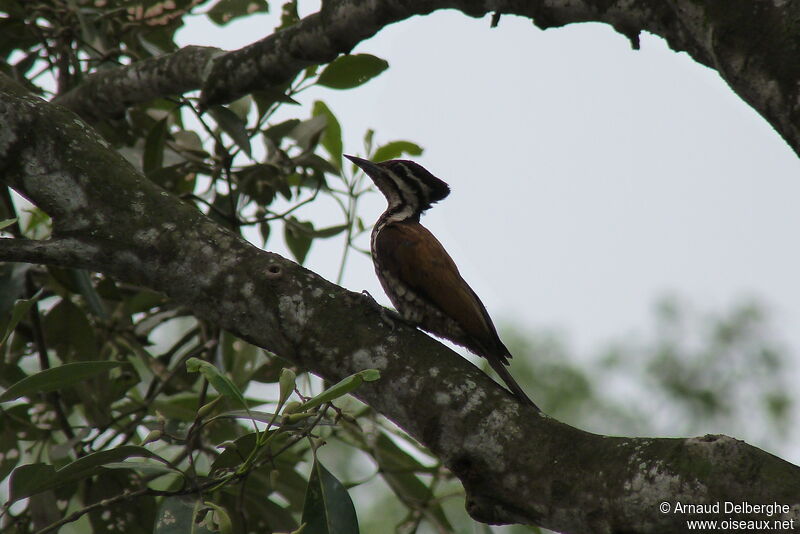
(121, 411)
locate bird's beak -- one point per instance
(367, 166)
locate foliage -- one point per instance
(107, 408)
(692, 374)
(123, 412)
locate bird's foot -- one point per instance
(388, 316)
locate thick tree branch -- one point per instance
(753, 46)
(517, 466)
(67, 252)
(109, 93)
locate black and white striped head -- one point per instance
(407, 186)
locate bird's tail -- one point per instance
(515, 388)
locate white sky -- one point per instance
(588, 178)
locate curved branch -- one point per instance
(517, 466)
(753, 46)
(66, 252)
(109, 93)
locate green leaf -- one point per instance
(264, 417)
(18, 311)
(287, 385)
(346, 72)
(233, 125)
(87, 465)
(398, 469)
(330, 231)
(176, 515)
(264, 230)
(83, 281)
(137, 516)
(146, 468)
(395, 149)
(155, 43)
(7, 222)
(260, 181)
(309, 230)
(221, 383)
(9, 448)
(179, 178)
(153, 157)
(57, 378)
(298, 237)
(332, 138)
(12, 288)
(27, 480)
(266, 98)
(369, 135)
(278, 131)
(69, 333)
(225, 11)
(235, 453)
(308, 133)
(328, 508)
(221, 518)
(239, 358)
(242, 106)
(343, 387)
(311, 160)
(289, 15)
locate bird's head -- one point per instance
(407, 186)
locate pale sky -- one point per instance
(588, 178)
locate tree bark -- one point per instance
(753, 45)
(517, 466)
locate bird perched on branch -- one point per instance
(417, 273)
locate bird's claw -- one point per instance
(390, 317)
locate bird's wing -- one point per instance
(415, 257)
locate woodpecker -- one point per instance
(417, 273)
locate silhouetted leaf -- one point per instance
(260, 181)
(233, 125)
(395, 149)
(289, 15)
(308, 133)
(69, 332)
(298, 237)
(178, 178)
(153, 157)
(18, 311)
(265, 98)
(278, 131)
(310, 160)
(9, 448)
(225, 11)
(346, 72)
(264, 231)
(332, 138)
